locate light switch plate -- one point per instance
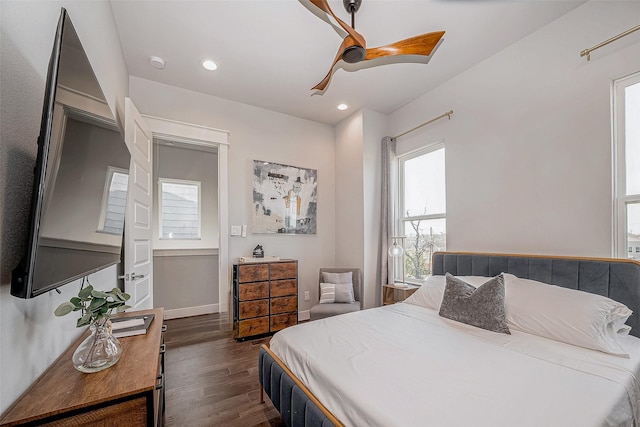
(236, 230)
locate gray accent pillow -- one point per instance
(482, 307)
(344, 293)
(346, 277)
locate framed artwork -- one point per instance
(285, 199)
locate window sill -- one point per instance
(186, 252)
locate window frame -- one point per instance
(620, 197)
(197, 184)
(401, 219)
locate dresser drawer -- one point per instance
(281, 288)
(250, 327)
(284, 270)
(284, 305)
(281, 321)
(253, 273)
(249, 309)
(251, 291)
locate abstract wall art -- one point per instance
(285, 199)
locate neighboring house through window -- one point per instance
(422, 208)
(114, 201)
(627, 166)
(179, 209)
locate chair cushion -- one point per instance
(346, 277)
(320, 311)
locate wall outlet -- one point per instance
(307, 296)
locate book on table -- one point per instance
(127, 326)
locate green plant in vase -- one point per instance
(99, 350)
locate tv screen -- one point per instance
(81, 174)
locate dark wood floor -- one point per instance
(212, 380)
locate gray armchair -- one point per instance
(320, 311)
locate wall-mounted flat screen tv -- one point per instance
(77, 213)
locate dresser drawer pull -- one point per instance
(163, 348)
(164, 328)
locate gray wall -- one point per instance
(185, 281)
(31, 337)
(259, 134)
(87, 153)
(180, 279)
(528, 163)
(191, 165)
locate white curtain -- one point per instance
(387, 217)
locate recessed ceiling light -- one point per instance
(157, 62)
(209, 65)
(342, 107)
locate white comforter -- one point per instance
(403, 365)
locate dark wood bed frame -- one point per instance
(618, 279)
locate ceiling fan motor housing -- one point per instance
(353, 54)
(352, 6)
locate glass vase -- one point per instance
(98, 351)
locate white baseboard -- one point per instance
(304, 315)
(177, 313)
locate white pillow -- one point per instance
(430, 294)
(568, 315)
(327, 293)
(336, 293)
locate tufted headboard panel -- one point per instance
(618, 279)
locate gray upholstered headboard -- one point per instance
(618, 279)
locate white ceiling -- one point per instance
(270, 53)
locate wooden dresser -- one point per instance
(265, 297)
(130, 393)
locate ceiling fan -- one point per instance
(353, 48)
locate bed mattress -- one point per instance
(403, 365)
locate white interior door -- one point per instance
(138, 255)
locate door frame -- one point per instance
(198, 135)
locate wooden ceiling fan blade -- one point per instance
(325, 82)
(324, 6)
(418, 45)
(313, 8)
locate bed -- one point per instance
(405, 365)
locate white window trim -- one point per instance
(105, 195)
(401, 161)
(619, 190)
(182, 182)
(400, 205)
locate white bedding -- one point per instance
(403, 365)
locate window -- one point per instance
(179, 209)
(422, 209)
(114, 200)
(627, 164)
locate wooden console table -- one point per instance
(130, 393)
